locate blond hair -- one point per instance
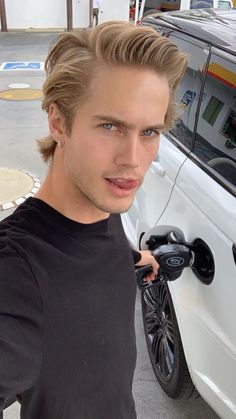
(74, 58)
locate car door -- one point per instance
(154, 194)
(203, 206)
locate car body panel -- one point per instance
(206, 313)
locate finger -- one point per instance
(155, 267)
(149, 277)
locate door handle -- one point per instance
(157, 168)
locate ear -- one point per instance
(55, 122)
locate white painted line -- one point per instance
(19, 201)
(34, 190)
(29, 194)
(8, 205)
(22, 65)
(19, 85)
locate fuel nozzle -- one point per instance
(172, 258)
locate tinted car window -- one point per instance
(201, 4)
(216, 130)
(189, 89)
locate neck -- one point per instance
(58, 192)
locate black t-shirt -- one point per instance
(67, 296)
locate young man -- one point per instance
(67, 279)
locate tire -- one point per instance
(164, 343)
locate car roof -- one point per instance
(214, 26)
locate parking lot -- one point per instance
(21, 123)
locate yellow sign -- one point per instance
(222, 74)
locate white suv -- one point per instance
(191, 189)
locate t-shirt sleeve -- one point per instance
(136, 255)
(21, 325)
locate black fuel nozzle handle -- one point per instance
(142, 272)
(140, 275)
(172, 258)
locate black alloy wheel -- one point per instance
(164, 342)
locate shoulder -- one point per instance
(19, 228)
(10, 259)
(19, 290)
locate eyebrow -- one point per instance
(125, 124)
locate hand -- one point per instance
(148, 259)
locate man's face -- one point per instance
(115, 137)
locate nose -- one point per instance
(128, 152)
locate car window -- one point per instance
(201, 4)
(222, 4)
(189, 89)
(152, 4)
(216, 130)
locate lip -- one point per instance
(122, 186)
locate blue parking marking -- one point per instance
(24, 65)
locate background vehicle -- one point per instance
(224, 4)
(152, 6)
(191, 189)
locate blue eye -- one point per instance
(108, 127)
(148, 132)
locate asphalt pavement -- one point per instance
(22, 122)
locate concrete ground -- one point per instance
(21, 122)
